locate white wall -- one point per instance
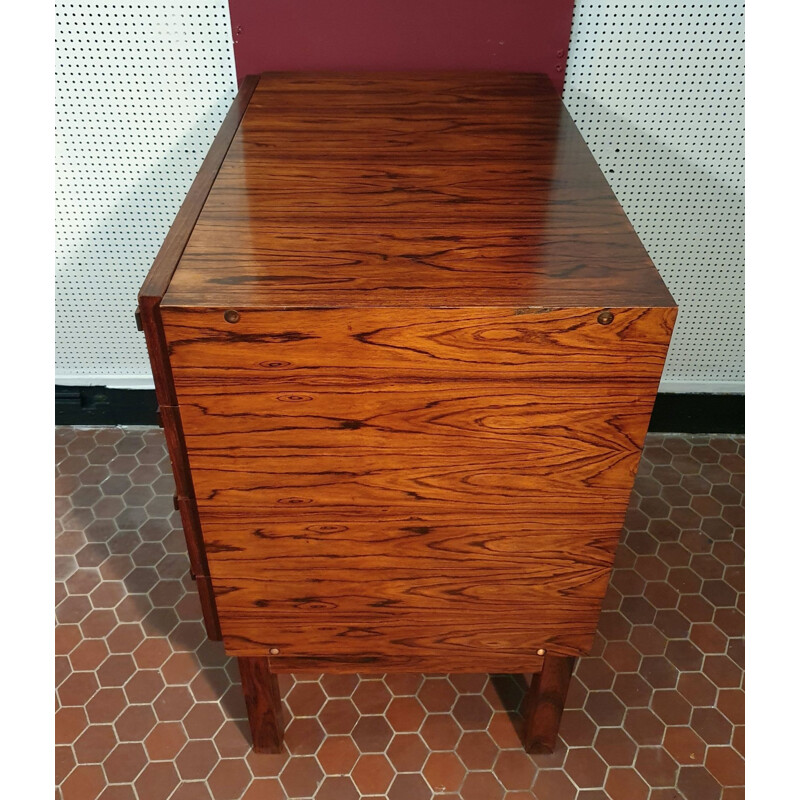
(656, 89)
(142, 87)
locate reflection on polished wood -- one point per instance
(410, 345)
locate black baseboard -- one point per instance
(673, 413)
(698, 413)
(98, 405)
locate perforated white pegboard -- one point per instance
(141, 89)
(657, 90)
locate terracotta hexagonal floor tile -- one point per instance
(444, 772)
(144, 686)
(372, 734)
(656, 766)
(409, 787)
(697, 689)
(157, 781)
(173, 703)
(180, 668)
(632, 689)
(722, 672)
(643, 726)
(622, 657)
(77, 689)
(303, 736)
(604, 708)
(70, 723)
(711, 725)
(472, 712)
(337, 755)
(88, 655)
(197, 759)
(550, 784)
(407, 752)
(229, 779)
(371, 697)
(595, 674)
(203, 720)
(437, 695)
(106, 705)
(515, 769)
(503, 692)
(339, 716)
(623, 783)
(263, 789)
(116, 669)
(674, 566)
(468, 683)
(210, 684)
(134, 723)
(440, 732)
(671, 707)
(125, 762)
(337, 788)
(577, 729)
(684, 745)
(165, 741)
(615, 747)
(67, 638)
(85, 781)
(267, 765)
(125, 638)
(301, 777)
(725, 765)
(585, 767)
(477, 750)
(305, 699)
(339, 685)
(696, 783)
(405, 714)
(196, 790)
(232, 703)
(731, 703)
(232, 740)
(373, 774)
(94, 744)
(64, 762)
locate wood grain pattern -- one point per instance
(465, 660)
(413, 443)
(380, 345)
(263, 699)
(459, 638)
(411, 190)
(149, 312)
(426, 448)
(545, 701)
(449, 589)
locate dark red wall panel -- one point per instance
(521, 35)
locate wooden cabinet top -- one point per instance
(410, 190)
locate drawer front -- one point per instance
(418, 448)
(398, 589)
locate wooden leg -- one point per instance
(545, 703)
(263, 699)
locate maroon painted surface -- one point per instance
(517, 35)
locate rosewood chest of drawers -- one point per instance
(406, 346)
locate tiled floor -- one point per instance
(148, 709)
